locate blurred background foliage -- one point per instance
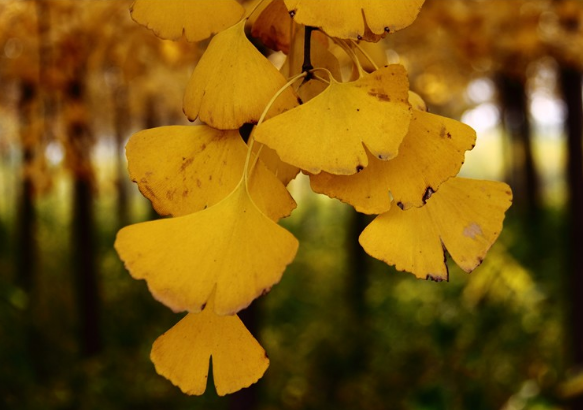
(343, 331)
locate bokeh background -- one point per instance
(342, 330)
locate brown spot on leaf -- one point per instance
(428, 192)
(150, 191)
(436, 278)
(359, 168)
(170, 194)
(400, 205)
(186, 163)
(379, 95)
(185, 193)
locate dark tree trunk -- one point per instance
(523, 176)
(27, 246)
(247, 399)
(571, 87)
(356, 285)
(83, 246)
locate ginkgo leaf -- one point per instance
(355, 19)
(464, 217)
(182, 354)
(432, 152)
(197, 20)
(272, 27)
(185, 169)
(328, 132)
(233, 83)
(231, 247)
(283, 171)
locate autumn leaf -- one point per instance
(355, 19)
(432, 152)
(464, 217)
(182, 354)
(233, 83)
(196, 20)
(185, 169)
(328, 132)
(230, 247)
(282, 170)
(273, 27)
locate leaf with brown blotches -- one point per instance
(185, 169)
(329, 132)
(464, 217)
(432, 152)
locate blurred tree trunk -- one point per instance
(571, 87)
(79, 142)
(356, 286)
(523, 175)
(121, 107)
(26, 226)
(248, 399)
(27, 246)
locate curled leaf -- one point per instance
(230, 247)
(196, 20)
(233, 83)
(182, 354)
(273, 27)
(328, 132)
(432, 152)
(464, 217)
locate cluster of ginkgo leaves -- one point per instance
(366, 140)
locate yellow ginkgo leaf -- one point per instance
(233, 83)
(231, 247)
(464, 217)
(355, 19)
(197, 20)
(182, 354)
(283, 171)
(432, 152)
(185, 169)
(328, 132)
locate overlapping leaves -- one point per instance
(367, 141)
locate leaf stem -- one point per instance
(247, 169)
(307, 65)
(364, 53)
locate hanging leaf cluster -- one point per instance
(365, 139)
